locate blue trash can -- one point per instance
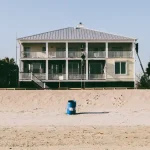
(71, 107)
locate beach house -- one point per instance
(77, 57)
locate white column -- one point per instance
(21, 66)
(21, 69)
(21, 50)
(133, 51)
(47, 49)
(106, 49)
(66, 49)
(46, 69)
(66, 60)
(86, 51)
(66, 69)
(105, 69)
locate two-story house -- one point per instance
(77, 57)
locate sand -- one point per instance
(105, 119)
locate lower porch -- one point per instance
(68, 70)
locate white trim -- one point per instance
(101, 80)
(76, 41)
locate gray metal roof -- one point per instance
(75, 34)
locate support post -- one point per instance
(86, 50)
(106, 49)
(66, 49)
(21, 51)
(66, 60)
(133, 56)
(46, 49)
(67, 69)
(46, 69)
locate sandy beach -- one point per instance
(105, 119)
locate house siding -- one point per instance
(110, 70)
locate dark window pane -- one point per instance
(123, 68)
(117, 67)
(43, 49)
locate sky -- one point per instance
(129, 18)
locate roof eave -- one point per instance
(65, 40)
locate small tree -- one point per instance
(148, 70)
(143, 80)
(9, 73)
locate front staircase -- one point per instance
(38, 82)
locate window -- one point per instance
(120, 68)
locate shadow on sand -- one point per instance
(91, 113)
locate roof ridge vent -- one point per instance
(80, 26)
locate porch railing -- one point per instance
(56, 76)
(59, 54)
(120, 54)
(33, 55)
(74, 54)
(27, 76)
(77, 76)
(96, 76)
(96, 54)
(41, 76)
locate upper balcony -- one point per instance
(58, 50)
(74, 54)
(31, 54)
(120, 50)
(74, 50)
(97, 54)
(38, 50)
(57, 54)
(96, 50)
(120, 54)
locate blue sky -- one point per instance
(128, 18)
